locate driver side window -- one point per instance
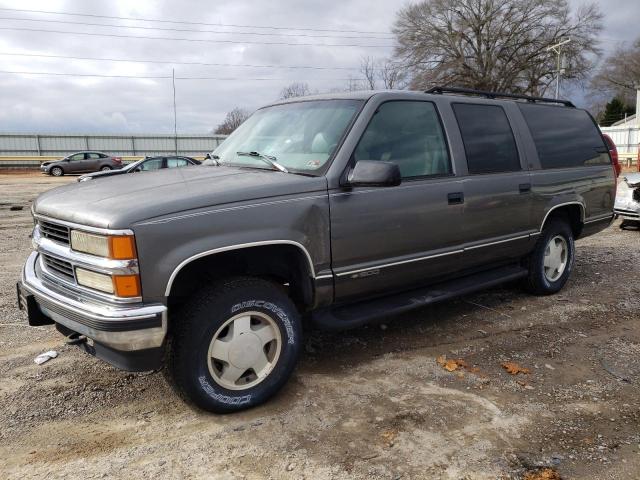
(155, 164)
(409, 134)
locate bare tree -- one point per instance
(498, 45)
(233, 120)
(619, 74)
(368, 69)
(393, 76)
(295, 89)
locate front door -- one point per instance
(387, 238)
(76, 163)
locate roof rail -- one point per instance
(482, 93)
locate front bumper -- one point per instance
(627, 213)
(114, 329)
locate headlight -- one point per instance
(118, 247)
(95, 280)
(125, 286)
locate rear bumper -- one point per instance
(123, 329)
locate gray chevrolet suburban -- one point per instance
(331, 211)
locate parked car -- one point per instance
(627, 204)
(613, 151)
(82, 162)
(332, 210)
(146, 164)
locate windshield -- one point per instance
(133, 165)
(301, 136)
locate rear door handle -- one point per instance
(524, 187)
(455, 198)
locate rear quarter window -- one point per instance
(564, 137)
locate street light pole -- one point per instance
(557, 48)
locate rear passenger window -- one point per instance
(564, 136)
(408, 134)
(173, 162)
(487, 138)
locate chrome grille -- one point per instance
(54, 231)
(59, 267)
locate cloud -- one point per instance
(92, 105)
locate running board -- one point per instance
(357, 314)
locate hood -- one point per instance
(632, 179)
(120, 201)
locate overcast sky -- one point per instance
(41, 103)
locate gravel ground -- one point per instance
(372, 403)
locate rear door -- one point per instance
(92, 162)
(390, 238)
(497, 189)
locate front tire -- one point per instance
(234, 345)
(56, 172)
(552, 259)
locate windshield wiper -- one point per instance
(265, 158)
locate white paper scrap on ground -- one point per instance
(45, 357)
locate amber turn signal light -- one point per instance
(127, 286)
(122, 247)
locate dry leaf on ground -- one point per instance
(513, 368)
(451, 365)
(389, 437)
(544, 474)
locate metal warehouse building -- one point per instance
(31, 145)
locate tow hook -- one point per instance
(76, 339)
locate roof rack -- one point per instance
(482, 93)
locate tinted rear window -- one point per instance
(487, 137)
(564, 137)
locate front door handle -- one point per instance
(456, 198)
(524, 187)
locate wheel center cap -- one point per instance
(244, 350)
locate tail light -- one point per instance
(613, 151)
(117, 159)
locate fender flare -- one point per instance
(240, 246)
(575, 202)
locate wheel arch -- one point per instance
(285, 260)
(574, 210)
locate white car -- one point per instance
(627, 204)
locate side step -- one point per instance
(357, 314)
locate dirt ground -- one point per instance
(372, 403)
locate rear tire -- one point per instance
(105, 168)
(234, 345)
(56, 172)
(552, 259)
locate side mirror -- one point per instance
(374, 173)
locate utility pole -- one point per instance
(637, 124)
(175, 117)
(557, 48)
